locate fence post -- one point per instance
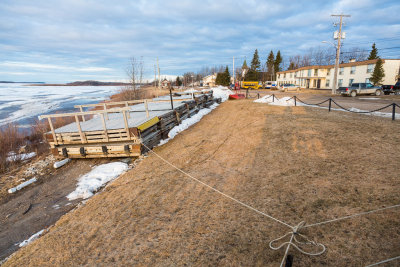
(273, 97)
(295, 102)
(394, 112)
(247, 93)
(330, 104)
(170, 97)
(289, 261)
(258, 95)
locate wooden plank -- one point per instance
(52, 130)
(126, 124)
(104, 127)
(79, 129)
(72, 114)
(83, 116)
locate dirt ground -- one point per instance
(294, 163)
(39, 205)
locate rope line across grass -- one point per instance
(294, 233)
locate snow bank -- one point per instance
(221, 92)
(284, 101)
(30, 239)
(187, 123)
(100, 175)
(12, 156)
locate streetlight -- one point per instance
(336, 66)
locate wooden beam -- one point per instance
(80, 129)
(72, 114)
(104, 127)
(105, 109)
(83, 116)
(52, 131)
(147, 108)
(126, 124)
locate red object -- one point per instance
(237, 96)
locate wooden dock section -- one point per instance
(121, 129)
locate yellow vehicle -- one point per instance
(251, 85)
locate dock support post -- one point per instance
(105, 109)
(52, 131)
(80, 129)
(127, 106)
(147, 108)
(126, 125)
(83, 116)
(104, 126)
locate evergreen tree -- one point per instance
(374, 52)
(178, 81)
(244, 66)
(270, 65)
(219, 78)
(255, 62)
(277, 62)
(378, 74)
(227, 77)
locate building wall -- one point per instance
(348, 73)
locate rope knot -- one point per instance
(298, 241)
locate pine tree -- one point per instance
(270, 65)
(226, 77)
(178, 81)
(378, 74)
(255, 62)
(244, 66)
(374, 52)
(277, 62)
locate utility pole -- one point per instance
(159, 77)
(339, 38)
(233, 70)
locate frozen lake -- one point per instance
(22, 103)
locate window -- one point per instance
(315, 72)
(341, 71)
(353, 70)
(328, 71)
(327, 83)
(367, 80)
(295, 74)
(340, 82)
(315, 83)
(370, 68)
(351, 82)
(309, 73)
(284, 75)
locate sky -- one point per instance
(73, 40)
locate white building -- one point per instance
(321, 77)
(209, 80)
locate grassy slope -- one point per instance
(293, 163)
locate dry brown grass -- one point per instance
(294, 164)
(145, 92)
(11, 139)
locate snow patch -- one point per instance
(30, 239)
(100, 175)
(286, 101)
(221, 92)
(12, 156)
(271, 100)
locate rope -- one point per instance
(384, 261)
(351, 216)
(219, 192)
(296, 243)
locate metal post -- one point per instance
(273, 97)
(258, 95)
(170, 97)
(247, 93)
(394, 111)
(330, 104)
(295, 101)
